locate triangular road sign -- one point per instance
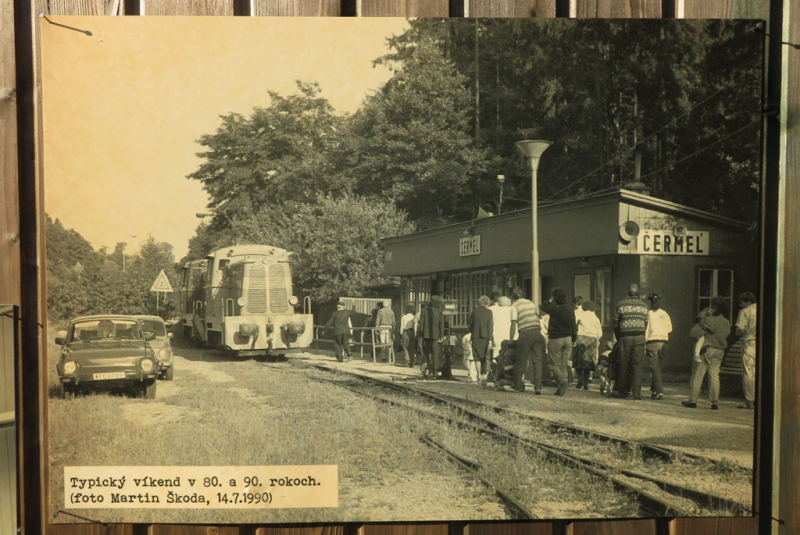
(161, 284)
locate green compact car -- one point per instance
(107, 352)
(161, 344)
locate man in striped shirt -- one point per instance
(525, 319)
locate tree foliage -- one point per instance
(674, 104)
(82, 281)
(336, 240)
(412, 141)
(278, 155)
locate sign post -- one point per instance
(161, 284)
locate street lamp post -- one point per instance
(533, 149)
(124, 256)
(501, 179)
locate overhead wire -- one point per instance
(695, 153)
(667, 124)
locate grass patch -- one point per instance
(266, 417)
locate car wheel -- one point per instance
(149, 389)
(169, 372)
(68, 391)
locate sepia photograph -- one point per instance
(309, 270)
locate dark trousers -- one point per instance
(583, 376)
(654, 351)
(480, 348)
(410, 346)
(341, 345)
(530, 345)
(432, 354)
(631, 365)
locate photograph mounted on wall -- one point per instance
(309, 270)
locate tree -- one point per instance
(337, 241)
(278, 154)
(81, 281)
(411, 141)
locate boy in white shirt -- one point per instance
(659, 326)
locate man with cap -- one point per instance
(630, 327)
(431, 328)
(342, 331)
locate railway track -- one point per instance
(656, 497)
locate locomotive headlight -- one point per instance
(248, 329)
(293, 300)
(242, 301)
(70, 366)
(146, 365)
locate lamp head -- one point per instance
(533, 148)
(501, 178)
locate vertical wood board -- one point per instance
(405, 8)
(403, 529)
(187, 7)
(722, 9)
(528, 528)
(297, 8)
(618, 527)
(84, 7)
(9, 206)
(512, 8)
(614, 9)
(788, 376)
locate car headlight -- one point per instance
(162, 353)
(293, 300)
(146, 365)
(70, 366)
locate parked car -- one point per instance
(160, 344)
(106, 352)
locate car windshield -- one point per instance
(88, 331)
(154, 326)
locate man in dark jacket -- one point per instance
(342, 331)
(630, 326)
(481, 327)
(563, 331)
(431, 329)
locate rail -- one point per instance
(372, 341)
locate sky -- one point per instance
(124, 106)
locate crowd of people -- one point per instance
(507, 335)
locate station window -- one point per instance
(715, 283)
(416, 291)
(466, 288)
(596, 286)
(601, 295)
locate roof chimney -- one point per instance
(637, 186)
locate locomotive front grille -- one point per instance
(278, 297)
(257, 292)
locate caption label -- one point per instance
(190, 487)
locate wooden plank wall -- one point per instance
(19, 127)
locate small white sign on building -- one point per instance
(667, 242)
(471, 245)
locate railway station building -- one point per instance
(594, 247)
